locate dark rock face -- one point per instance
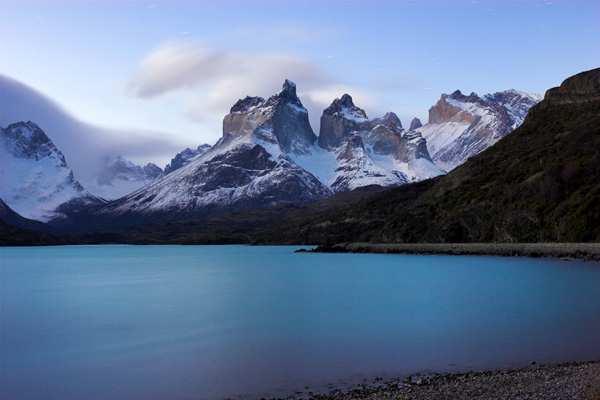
(539, 183)
(415, 124)
(281, 119)
(184, 157)
(583, 87)
(17, 230)
(247, 103)
(416, 146)
(27, 140)
(390, 120)
(10, 217)
(385, 140)
(339, 120)
(152, 171)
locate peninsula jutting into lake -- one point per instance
(300, 200)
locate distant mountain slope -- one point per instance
(539, 183)
(17, 231)
(185, 156)
(462, 126)
(10, 217)
(119, 176)
(84, 145)
(34, 175)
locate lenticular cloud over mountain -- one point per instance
(84, 145)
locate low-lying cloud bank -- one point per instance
(85, 145)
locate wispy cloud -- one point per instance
(211, 80)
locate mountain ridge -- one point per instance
(538, 183)
(351, 151)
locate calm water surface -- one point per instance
(195, 322)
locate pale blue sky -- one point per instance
(202, 55)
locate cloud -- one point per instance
(179, 65)
(212, 80)
(84, 145)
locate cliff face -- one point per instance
(281, 120)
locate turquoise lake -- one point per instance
(205, 322)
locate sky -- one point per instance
(172, 69)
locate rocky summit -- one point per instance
(281, 120)
(415, 124)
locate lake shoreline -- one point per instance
(580, 251)
(575, 380)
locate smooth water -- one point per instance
(194, 322)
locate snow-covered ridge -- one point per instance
(35, 179)
(351, 151)
(268, 155)
(462, 126)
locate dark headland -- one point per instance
(585, 251)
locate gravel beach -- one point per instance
(564, 381)
(586, 251)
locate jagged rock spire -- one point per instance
(280, 119)
(288, 89)
(339, 120)
(415, 124)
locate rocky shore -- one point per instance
(585, 251)
(579, 381)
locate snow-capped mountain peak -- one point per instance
(281, 120)
(415, 124)
(27, 140)
(517, 103)
(35, 179)
(462, 126)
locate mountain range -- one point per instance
(268, 156)
(539, 183)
